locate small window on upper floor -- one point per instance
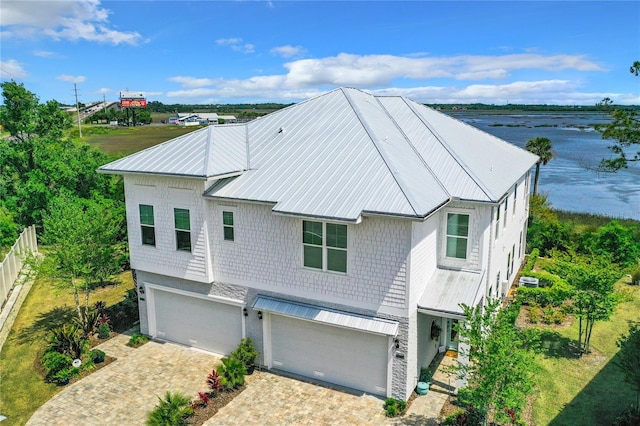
(147, 225)
(515, 197)
(227, 224)
(506, 207)
(324, 246)
(497, 222)
(183, 229)
(457, 235)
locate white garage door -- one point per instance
(209, 325)
(342, 356)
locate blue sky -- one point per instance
(569, 53)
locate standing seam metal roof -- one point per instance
(340, 154)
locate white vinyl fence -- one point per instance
(12, 264)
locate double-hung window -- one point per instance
(227, 225)
(147, 225)
(515, 197)
(183, 229)
(457, 235)
(324, 246)
(497, 222)
(506, 208)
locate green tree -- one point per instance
(501, 363)
(624, 129)
(594, 278)
(542, 147)
(628, 360)
(81, 235)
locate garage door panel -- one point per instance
(333, 354)
(192, 321)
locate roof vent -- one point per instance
(281, 130)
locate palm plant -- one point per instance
(542, 148)
(171, 411)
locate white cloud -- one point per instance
(72, 78)
(69, 20)
(236, 44)
(307, 77)
(43, 53)
(104, 90)
(11, 69)
(288, 51)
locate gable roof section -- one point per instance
(343, 154)
(208, 152)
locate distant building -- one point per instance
(200, 118)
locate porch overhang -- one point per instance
(448, 289)
(326, 316)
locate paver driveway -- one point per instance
(274, 400)
(123, 392)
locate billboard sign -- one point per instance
(132, 95)
(133, 103)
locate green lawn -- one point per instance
(591, 390)
(22, 388)
(121, 141)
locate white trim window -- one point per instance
(228, 226)
(515, 197)
(506, 208)
(147, 225)
(498, 222)
(457, 235)
(324, 246)
(183, 229)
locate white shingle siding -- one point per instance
(424, 256)
(165, 194)
(267, 253)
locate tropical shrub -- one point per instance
(394, 407)
(245, 352)
(232, 372)
(68, 340)
(87, 321)
(104, 331)
(173, 410)
(213, 381)
(97, 356)
(531, 262)
(54, 362)
(137, 339)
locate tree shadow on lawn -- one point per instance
(600, 401)
(554, 345)
(46, 321)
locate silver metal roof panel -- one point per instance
(448, 288)
(343, 154)
(326, 316)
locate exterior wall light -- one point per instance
(259, 314)
(397, 342)
(244, 311)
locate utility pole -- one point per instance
(75, 88)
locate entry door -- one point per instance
(452, 334)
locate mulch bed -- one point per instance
(202, 414)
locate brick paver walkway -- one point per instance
(123, 392)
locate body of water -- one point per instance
(569, 179)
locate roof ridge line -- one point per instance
(446, 146)
(415, 150)
(369, 131)
(207, 151)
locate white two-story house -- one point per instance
(339, 234)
